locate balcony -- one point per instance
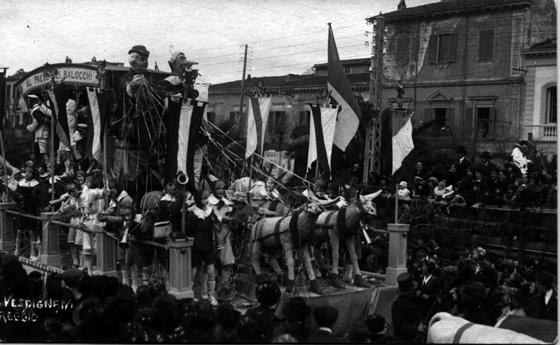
(546, 132)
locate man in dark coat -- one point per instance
(463, 163)
(545, 304)
(325, 316)
(428, 289)
(407, 320)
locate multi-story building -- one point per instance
(462, 64)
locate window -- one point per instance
(402, 49)
(347, 69)
(486, 44)
(440, 117)
(275, 122)
(233, 115)
(485, 122)
(211, 116)
(551, 105)
(442, 48)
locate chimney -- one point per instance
(402, 5)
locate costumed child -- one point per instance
(139, 256)
(91, 203)
(200, 221)
(71, 208)
(222, 208)
(29, 195)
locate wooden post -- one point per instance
(7, 230)
(180, 268)
(50, 253)
(397, 252)
(106, 254)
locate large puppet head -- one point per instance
(179, 64)
(70, 106)
(138, 58)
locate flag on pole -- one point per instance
(61, 123)
(402, 139)
(257, 119)
(321, 135)
(340, 90)
(96, 152)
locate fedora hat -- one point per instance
(485, 154)
(407, 285)
(461, 149)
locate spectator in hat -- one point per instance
(377, 327)
(325, 317)
(403, 192)
(40, 127)
(463, 162)
(268, 295)
(407, 319)
(428, 289)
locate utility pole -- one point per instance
(243, 85)
(372, 152)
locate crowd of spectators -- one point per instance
(511, 184)
(478, 287)
(104, 310)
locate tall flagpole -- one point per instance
(397, 204)
(53, 116)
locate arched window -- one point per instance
(550, 105)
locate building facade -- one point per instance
(462, 65)
(290, 96)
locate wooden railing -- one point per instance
(544, 132)
(179, 251)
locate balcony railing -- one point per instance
(543, 132)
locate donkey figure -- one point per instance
(288, 233)
(343, 224)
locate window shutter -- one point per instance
(469, 121)
(452, 48)
(486, 44)
(432, 49)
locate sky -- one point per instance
(283, 36)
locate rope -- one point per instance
(260, 156)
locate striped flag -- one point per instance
(341, 92)
(257, 119)
(96, 142)
(182, 121)
(61, 123)
(322, 125)
(402, 139)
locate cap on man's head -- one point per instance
(175, 55)
(139, 49)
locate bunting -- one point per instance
(321, 135)
(257, 120)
